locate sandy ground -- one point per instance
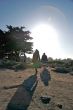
(60, 89)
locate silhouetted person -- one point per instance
(35, 60)
(44, 58)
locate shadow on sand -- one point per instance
(23, 96)
(45, 77)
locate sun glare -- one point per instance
(45, 38)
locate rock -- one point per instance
(45, 99)
(59, 105)
(71, 73)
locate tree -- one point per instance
(35, 60)
(2, 43)
(21, 37)
(16, 40)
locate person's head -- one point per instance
(43, 53)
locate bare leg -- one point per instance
(36, 71)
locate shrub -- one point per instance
(19, 66)
(62, 69)
(10, 64)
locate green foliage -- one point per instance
(62, 70)
(36, 65)
(61, 63)
(7, 64)
(13, 40)
(62, 66)
(20, 66)
(21, 38)
(10, 64)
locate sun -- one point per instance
(45, 38)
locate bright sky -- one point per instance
(50, 23)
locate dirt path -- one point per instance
(60, 89)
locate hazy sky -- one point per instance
(32, 13)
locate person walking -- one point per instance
(44, 60)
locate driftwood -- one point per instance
(11, 87)
(16, 86)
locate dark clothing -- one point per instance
(44, 58)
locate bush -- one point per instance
(37, 65)
(10, 64)
(62, 69)
(19, 66)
